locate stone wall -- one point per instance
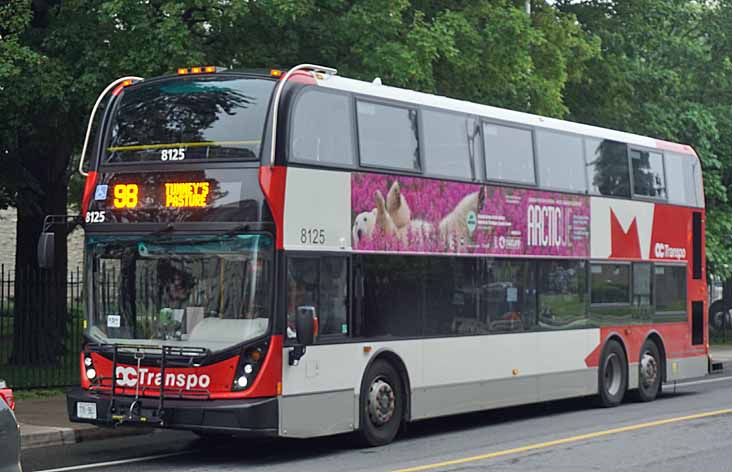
(8, 220)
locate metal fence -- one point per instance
(63, 370)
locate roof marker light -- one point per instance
(275, 73)
(196, 70)
(119, 88)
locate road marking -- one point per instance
(697, 382)
(119, 462)
(571, 439)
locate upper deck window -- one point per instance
(607, 167)
(648, 176)
(451, 143)
(321, 129)
(561, 161)
(190, 118)
(683, 175)
(509, 154)
(387, 136)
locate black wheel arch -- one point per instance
(615, 336)
(396, 361)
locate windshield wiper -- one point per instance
(169, 228)
(238, 229)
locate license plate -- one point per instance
(87, 411)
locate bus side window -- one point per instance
(322, 129)
(321, 283)
(607, 167)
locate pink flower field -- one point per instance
(499, 223)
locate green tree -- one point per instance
(663, 71)
(56, 56)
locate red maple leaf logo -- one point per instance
(622, 243)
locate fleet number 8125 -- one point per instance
(312, 236)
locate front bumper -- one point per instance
(257, 416)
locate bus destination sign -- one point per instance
(210, 195)
(177, 195)
(186, 194)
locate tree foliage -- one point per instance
(664, 71)
(657, 67)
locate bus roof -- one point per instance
(495, 113)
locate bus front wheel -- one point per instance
(381, 404)
(612, 374)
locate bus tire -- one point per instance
(381, 404)
(649, 372)
(612, 375)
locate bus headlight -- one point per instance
(250, 361)
(88, 367)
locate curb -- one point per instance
(46, 436)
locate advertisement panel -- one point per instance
(416, 215)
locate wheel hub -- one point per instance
(381, 402)
(648, 370)
(613, 374)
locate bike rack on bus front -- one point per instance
(178, 356)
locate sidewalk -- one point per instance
(45, 422)
(722, 354)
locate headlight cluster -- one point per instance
(91, 373)
(250, 361)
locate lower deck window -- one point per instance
(670, 283)
(610, 283)
(562, 294)
(320, 282)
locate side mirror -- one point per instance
(46, 247)
(305, 322)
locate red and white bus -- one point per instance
(300, 254)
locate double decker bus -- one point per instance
(301, 254)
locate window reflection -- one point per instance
(205, 117)
(607, 167)
(562, 294)
(648, 177)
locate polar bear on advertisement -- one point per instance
(454, 231)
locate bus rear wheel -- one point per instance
(381, 404)
(612, 375)
(649, 372)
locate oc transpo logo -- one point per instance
(664, 251)
(130, 377)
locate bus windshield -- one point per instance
(190, 118)
(204, 291)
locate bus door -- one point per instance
(318, 396)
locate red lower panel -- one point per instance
(213, 381)
(265, 385)
(676, 339)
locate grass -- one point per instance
(38, 393)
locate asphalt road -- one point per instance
(689, 429)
